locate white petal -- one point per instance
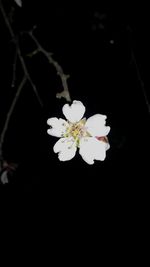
(66, 149)
(91, 148)
(95, 125)
(107, 146)
(58, 127)
(75, 112)
(19, 2)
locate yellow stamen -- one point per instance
(77, 130)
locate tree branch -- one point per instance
(15, 39)
(129, 30)
(65, 93)
(26, 73)
(140, 81)
(14, 69)
(10, 113)
(7, 21)
(26, 77)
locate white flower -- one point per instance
(77, 132)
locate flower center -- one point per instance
(76, 130)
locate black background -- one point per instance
(94, 43)
(103, 207)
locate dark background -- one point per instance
(97, 45)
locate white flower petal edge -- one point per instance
(58, 127)
(75, 112)
(66, 149)
(95, 125)
(92, 149)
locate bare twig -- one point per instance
(65, 93)
(15, 39)
(7, 20)
(33, 53)
(140, 81)
(14, 68)
(28, 76)
(129, 29)
(25, 78)
(9, 114)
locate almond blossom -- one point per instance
(89, 136)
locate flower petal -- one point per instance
(91, 148)
(107, 146)
(96, 125)
(58, 127)
(66, 148)
(75, 112)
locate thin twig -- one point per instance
(65, 93)
(15, 39)
(9, 114)
(28, 77)
(14, 68)
(7, 21)
(140, 81)
(129, 29)
(25, 78)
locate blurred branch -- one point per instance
(140, 81)
(26, 77)
(26, 73)
(65, 93)
(14, 69)
(7, 20)
(133, 58)
(9, 114)
(15, 40)
(11, 110)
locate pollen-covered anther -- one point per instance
(76, 130)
